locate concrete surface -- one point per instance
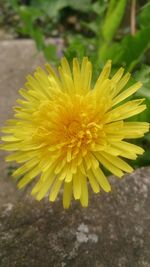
(112, 232)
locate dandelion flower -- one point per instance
(65, 130)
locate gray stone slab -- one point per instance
(18, 58)
(112, 232)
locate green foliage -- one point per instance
(143, 75)
(130, 50)
(49, 8)
(143, 18)
(113, 18)
(53, 7)
(110, 25)
(77, 47)
(39, 13)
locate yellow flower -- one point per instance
(65, 130)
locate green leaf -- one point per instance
(50, 52)
(50, 7)
(53, 7)
(38, 37)
(29, 14)
(113, 19)
(134, 47)
(92, 26)
(144, 17)
(99, 7)
(77, 47)
(111, 7)
(143, 75)
(130, 50)
(143, 160)
(114, 52)
(83, 5)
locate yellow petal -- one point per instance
(122, 145)
(77, 185)
(135, 129)
(100, 177)
(77, 76)
(9, 138)
(108, 165)
(116, 161)
(94, 184)
(55, 190)
(124, 111)
(117, 76)
(104, 74)
(122, 83)
(29, 177)
(65, 66)
(130, 91)
(26, 167)
(86, 71)
(67, 195)
(45, 187)
(84, 192)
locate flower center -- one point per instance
(73, 128)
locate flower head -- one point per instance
(65, 130)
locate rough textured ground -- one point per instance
(112, 232)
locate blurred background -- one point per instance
(99, 29)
